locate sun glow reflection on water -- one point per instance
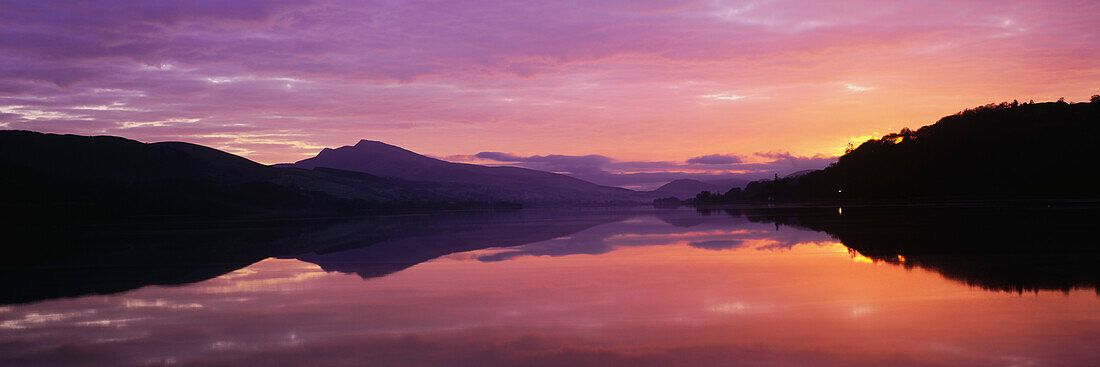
(686, 296)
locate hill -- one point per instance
(996, 151)
(505, 183)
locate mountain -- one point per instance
(993, 152)
(505, 183)
(54, 178)
(687, 188)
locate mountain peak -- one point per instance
(385, 160)
(378, 147)
(365, 154)
(366, 142)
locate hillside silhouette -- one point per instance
(56, 179)
(996, 151)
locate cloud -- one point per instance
(715, 159)
(856, 88)
(553, 162)
(717, 244)
(499, 156)
(648, 175)
(786, 159)
(723, 97)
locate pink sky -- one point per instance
(634, 81)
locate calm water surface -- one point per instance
(590, 287)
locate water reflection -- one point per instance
(1014, 249)
(76, 261)
(401, 242)
(644, 288)
(1009, 249)
(995, 247)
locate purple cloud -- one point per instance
(788, 160)
(715, 159)
(554, 162)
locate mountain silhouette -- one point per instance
(506, 183)
(115, 158)
(54, 179)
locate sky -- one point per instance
(716, 88)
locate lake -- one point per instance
(854, 286)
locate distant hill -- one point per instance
(505, 183)
(728, 183)
(996, 151)
(687, 188)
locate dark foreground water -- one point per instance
(973, 286)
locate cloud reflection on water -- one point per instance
(637, 292)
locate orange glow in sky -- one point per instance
(634, 81)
